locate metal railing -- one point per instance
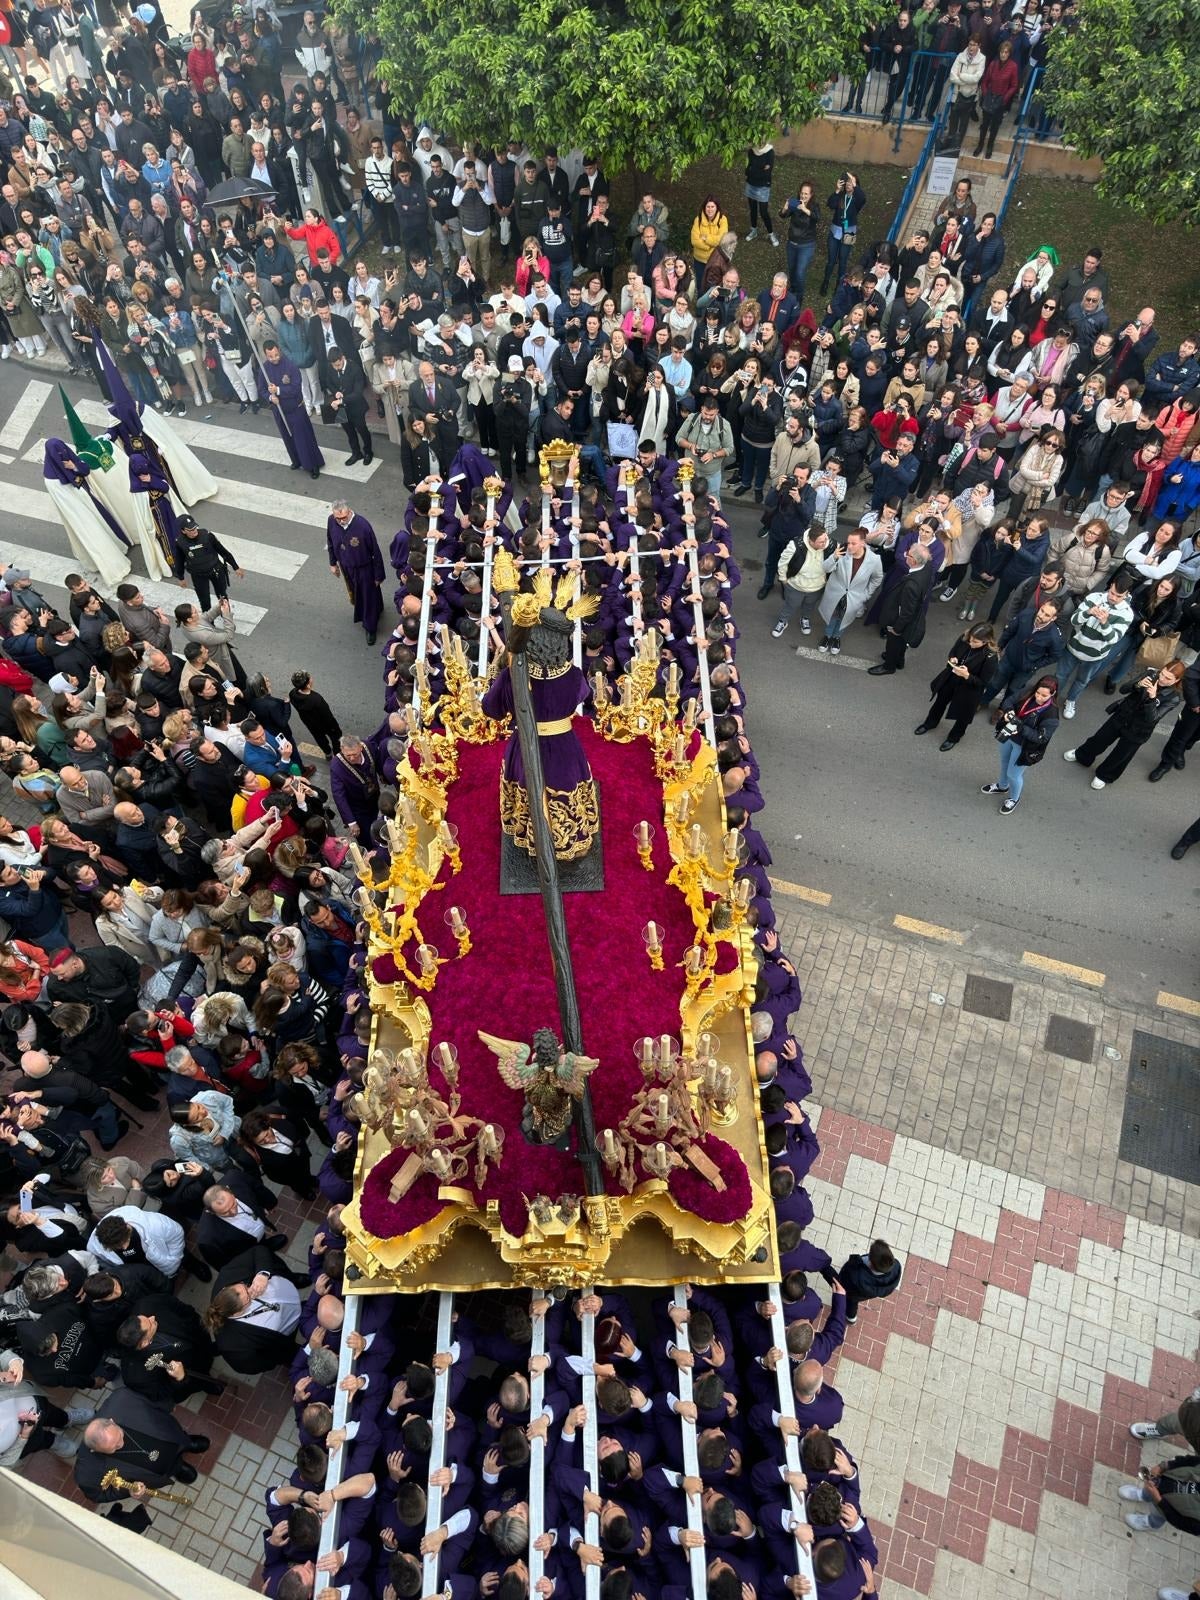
(916, 177)
(435, 1494)
(591, 1444)
(335, 1470)
(697, 1561)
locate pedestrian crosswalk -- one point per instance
(241, 442)
(240, 502)
(45, 568)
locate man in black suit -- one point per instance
(111, 1296)
(142, 1442)
(233, 1221)
(346, 390)
(327, 333)
(436, 399)
(166, 1352)
(255, 1311)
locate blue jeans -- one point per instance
(1157, 1520)
(592, 457)
(1012, 777)
(561, 273)
(143, 386)
(104, 1120)
(837, 259)
(799, 259)
(1077, 677)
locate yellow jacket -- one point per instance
(706, 235)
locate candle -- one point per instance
(696, 840)
(689, 716)
(408, 1060)
(653, 936)
(416, 1125)
(724, 1083)
(694, 961)
(743, 893)
(627, 694)
(427, 956)
(408, 811)
(681, 746)
(457, 923)
(359, 860)
(662, 1113)
(730, 846)
(395, 836)
(446, 1056)
(433, 860)
(673, 679)
(662, 1161)
(664, 1049)
(490, 1146)
(447, 836)
(446, 637)
(610, 1145)
(439, 1163)
(647, 1051)
(643, 836)
(710, 1077)
(600, 690)
(683, 807)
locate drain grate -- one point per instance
(1160, 1129)
(1067, 1037)
(987, 997)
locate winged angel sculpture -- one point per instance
(551, 1078)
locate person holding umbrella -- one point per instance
(285, 387)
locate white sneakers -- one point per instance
(1173, 1594)
(1099, 783)
(1068, 755)
(1145, 1430)
(1069, 710)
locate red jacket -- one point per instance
(14, 677)
(1000, 77)
(315, 236)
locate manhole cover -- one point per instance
(987, 997)
(1066, 1037)
(1161, 1125)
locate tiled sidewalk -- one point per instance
(988, 1400)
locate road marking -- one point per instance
(7, 461)
(45, 568)
(807, 653)
(1178, 1002)
(797, 891)
(929, 930)
(1063, 969)
(232, 442)
(272, 560)
(24, 414)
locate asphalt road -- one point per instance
(860, 810)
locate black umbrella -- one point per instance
(238, 189)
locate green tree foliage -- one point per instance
(649, 84)
(1123, 86)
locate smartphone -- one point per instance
(26, 1199)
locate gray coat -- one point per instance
(857, 591)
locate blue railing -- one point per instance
(917, 176)
(1028, 122)
(899, 98)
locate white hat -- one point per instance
(515, 364)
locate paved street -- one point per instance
(860, 810)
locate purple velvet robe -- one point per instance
(355, 550)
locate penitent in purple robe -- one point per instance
(295, 429)
(570, 788)
(355, 550)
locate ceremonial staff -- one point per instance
(525, 717)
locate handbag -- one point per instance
(1158, 651)
(989, 104)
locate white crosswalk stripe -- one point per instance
(236, 442)
(24, 414)
(236, 496)
(45, 568)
